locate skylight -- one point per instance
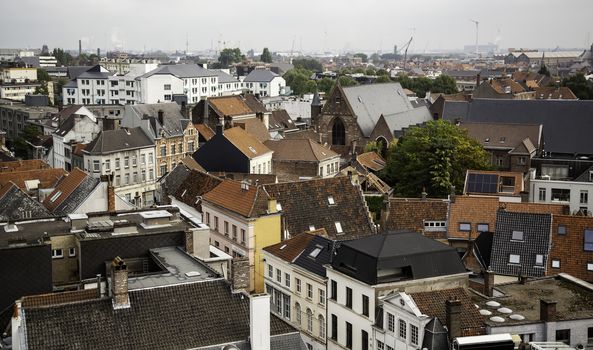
(339, 227)
(315, 252)
(311, 228)
(283, 246)
(330, 200)
(252, 150)
(55, 196)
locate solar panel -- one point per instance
(482, 183)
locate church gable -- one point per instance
(337, 104)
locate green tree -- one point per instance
(364, 57)
(359, 70)
(29, 134)
(375, 58)
(229, 56)
(544, 70)
(325, 85)
(347, 81)
(383, 79)
(298, 79)
(435, 157)
(42, 75)
(307, 63)
(381, 72)
(580, 86)
(370, 71)
(445, 84)
(63, 58)
(266, 56)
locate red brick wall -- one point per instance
(569, 248)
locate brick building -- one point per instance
(572, 246)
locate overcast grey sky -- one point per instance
(312, 24)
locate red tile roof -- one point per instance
(231, 195)
(48, 178)
(290, 249)
(66, 186)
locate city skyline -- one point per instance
(379, 27)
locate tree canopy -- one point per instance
(364, 57)
(299, 81)
(307, 63)
(42, 75)
(422, 85)
(433, 157)
(63, 58)
(580, 86)
(544, 70)
(229, 56)
(266, 56)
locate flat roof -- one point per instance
(179, 267)
(573, 297)
(483, 339)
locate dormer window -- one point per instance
(517, 236)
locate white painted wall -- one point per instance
(261, 164)
(574, 187)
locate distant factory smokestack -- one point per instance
(99, 52)
(79, 47)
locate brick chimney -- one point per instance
(119, 284)
(488, 283)
(110, 195)
(453, 318)
(259, 321)
(547, 310)
(239, 275)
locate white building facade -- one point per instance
(264, 83)
(573, 193)
(81, 127)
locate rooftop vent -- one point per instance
(505, 310)
(485, 313)
(493, 304)
(497, 319)
(517, 317)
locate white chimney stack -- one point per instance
(259, 321)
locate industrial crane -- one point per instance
(407, 45)
(477, 29)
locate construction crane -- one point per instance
(477, 30)
(407, 46)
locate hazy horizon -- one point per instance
(308, 25)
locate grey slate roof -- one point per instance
(181, 71)
(14, 203)
(173, 120)
(416, 116)
(95, 73)
(260, 76)
(78, 196)
(224, 78)
(75, 71)
(111, 141)
(567, 124)
(184, 316)
(435, 336)
(416, 255)
(370, 101)
(536, 230)
(315, 264)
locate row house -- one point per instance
(296, 281)
(100, 86)
(243, 220)
(174, 135)
(79, 125)
(365, 271)
(573, 193)
(234, 150)
(191, 80)
(264, 83)
(128, 155)
(17, 82)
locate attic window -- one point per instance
(503, 139)
(278, 206)
(283, 246)
(311, 227)
(315, 252)
(514, 259)
(330, 200)
(55, 196)
(252, 150)
(339, 227)
(517, 236)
